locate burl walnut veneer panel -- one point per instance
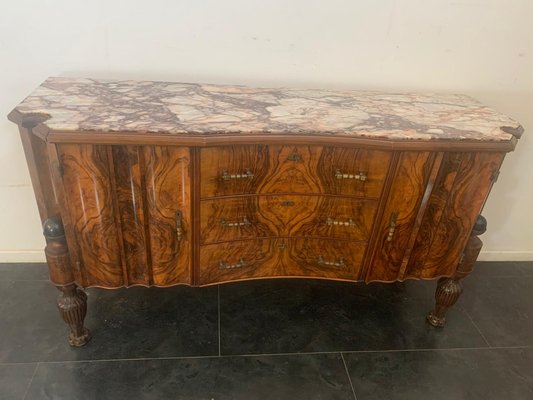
(123, 201)
(268, 258)
(286, 215)
(231, 170)
(162, 183)
(458, 195)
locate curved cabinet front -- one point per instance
(166, 215)
(268, 258)
(129, 208)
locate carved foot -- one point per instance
(72, 305)
(449, 289)
(447, 293)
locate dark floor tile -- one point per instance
(126, 323)
(14, 380)
(279, 377)
(23, 271)
(313, 316)
(5, 288)
(502, 308)
(527, 268)
(442, 374)
(494, 269)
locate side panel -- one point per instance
(460, 191)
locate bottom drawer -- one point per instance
(246, 259)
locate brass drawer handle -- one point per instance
(334, 222)
(225, 265)
(248, 174)
(340, 263)
(360, 176)
(392, 225)
(245, 222)
(179, 227)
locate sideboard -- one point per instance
(161, 184)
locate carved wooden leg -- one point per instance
(450, 289)
(72, 302)
(72, 305)
(447, 293)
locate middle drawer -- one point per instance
(262, 216)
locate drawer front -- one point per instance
(234, 170)
(248, 217)
(247, 259)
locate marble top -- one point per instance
(80, 104)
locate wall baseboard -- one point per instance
(506, 256)
(15, 256)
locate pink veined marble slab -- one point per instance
(80, 104)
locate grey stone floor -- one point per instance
(280, 339)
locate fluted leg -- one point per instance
(72, 305)
(72, 302)
(450, 289)
(447, 293)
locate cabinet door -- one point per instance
(400, 213)
(129, 207)
(168, 208)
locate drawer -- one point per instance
(263, 258)
(248, 217)
(234, 170)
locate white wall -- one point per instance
(479, 47)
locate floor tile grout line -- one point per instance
(7, 364)
(218, 301)
(278, 354)
(31, 381)
(348, 375)
(477, 327)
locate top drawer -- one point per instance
(234, 170)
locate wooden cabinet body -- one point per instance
(160, 209)
(156, 215)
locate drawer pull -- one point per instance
(360, 176)
(340, 263)
(225, 265)
(334, 222)
(179, 226)
(245, 222)
(392, 225)
(248, 174)
(287, 203)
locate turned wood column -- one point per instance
(72, 301)
(450, 289)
